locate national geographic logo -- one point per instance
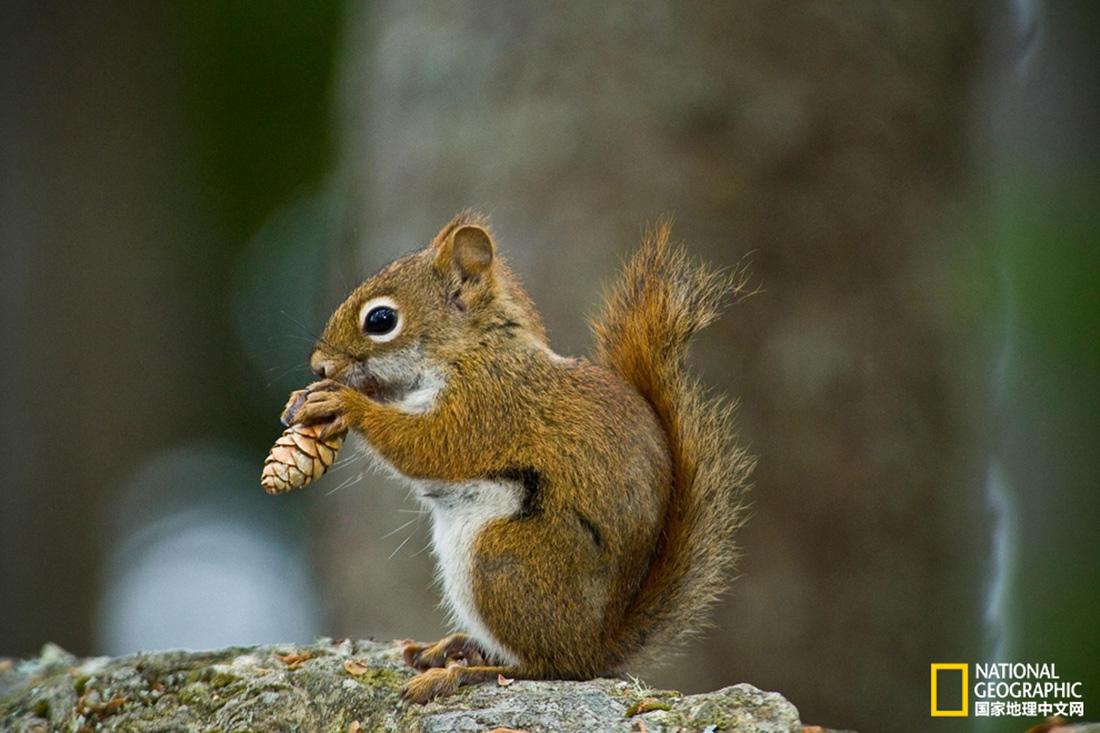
(950, 684)
(1003, 689)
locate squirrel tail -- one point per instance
(661, 300)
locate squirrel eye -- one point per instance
(380, 319)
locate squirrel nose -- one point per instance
(323, 367)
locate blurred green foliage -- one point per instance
(1052, 251)
(1050, 235)
(259, 85)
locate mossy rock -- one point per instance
(330, 685)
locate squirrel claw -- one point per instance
(454, 649)
(320, 405)
(411, 652)
(297, 397)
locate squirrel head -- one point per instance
(396, 334)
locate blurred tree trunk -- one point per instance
(99, 218)
(829, 138)
(138, 317)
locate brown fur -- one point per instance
(660, 301)
(634, 477)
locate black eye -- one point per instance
(380, 320)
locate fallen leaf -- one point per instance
(354, 668)
(504, 681)
(294, 659)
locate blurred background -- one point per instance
(188, 190)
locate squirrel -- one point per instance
(582, 510)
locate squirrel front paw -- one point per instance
(322, 405)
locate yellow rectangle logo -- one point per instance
(962, 711)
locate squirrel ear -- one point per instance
(469, 249)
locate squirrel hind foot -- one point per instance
(443, 681)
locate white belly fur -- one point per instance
(459, 512)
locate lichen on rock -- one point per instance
(332, 685)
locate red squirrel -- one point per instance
(582, 510)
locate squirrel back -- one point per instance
(659, 302)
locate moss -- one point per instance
(80, 682)
(195, 694)
(193, 676)
(646, 705)
(382, 677)
(221, 691)
(223, 679)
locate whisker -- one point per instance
(346, 483)
(306, 330)
(284, 336)
(395, 531)
(356, 453)
(271, 369)
(403, 543)
(343, 462)
(280, 375)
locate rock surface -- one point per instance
(340, 686)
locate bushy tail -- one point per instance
(659, 302)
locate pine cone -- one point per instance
(297, 458)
